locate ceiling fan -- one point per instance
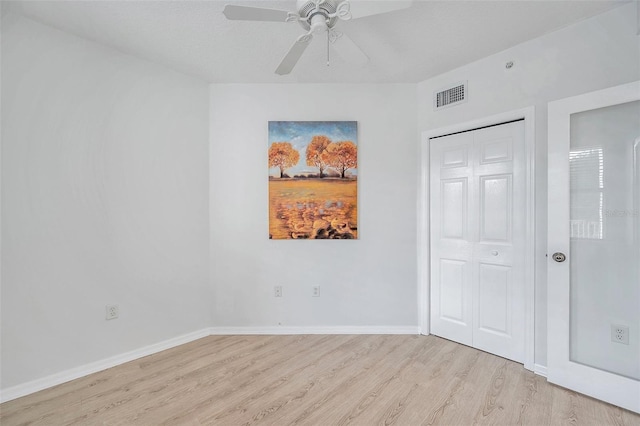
(318, 18)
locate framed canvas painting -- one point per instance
(313, 180)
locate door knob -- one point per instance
(559, 257)
(494, 252)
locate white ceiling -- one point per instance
(404, 46)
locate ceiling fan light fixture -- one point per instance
(318, 24)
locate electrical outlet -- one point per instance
(620, 334)
(315, 291)
(277, 291)
(112, 312)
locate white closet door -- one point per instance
(451, 240)
(478, 238)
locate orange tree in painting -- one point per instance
(317, 155)
(342, 156)
(283, 156)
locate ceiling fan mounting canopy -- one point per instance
(307, 9)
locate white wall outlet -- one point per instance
(620, 334)
(315, 291)
(112, 312)
(277, 291)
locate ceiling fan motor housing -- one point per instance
(307, 10)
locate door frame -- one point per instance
(561, 370)
(424, 270)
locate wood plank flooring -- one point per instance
(314, 380)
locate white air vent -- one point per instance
(451, 95)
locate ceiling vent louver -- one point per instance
(452, 95)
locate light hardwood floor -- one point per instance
(314, 380)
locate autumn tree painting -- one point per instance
(342, 156)
(317, 155)
(282, 155)
(313, 180)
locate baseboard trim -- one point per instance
(316, 330)
(94, 367)
(540, 370)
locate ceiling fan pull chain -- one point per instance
(328, 48)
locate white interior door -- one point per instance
(594, 232)
(478, 237)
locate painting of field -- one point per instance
(313, 183)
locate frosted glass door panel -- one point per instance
(604, 161)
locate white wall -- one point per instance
(104, 200)
(367, 282)
(596, 53)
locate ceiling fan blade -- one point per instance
(348, 50)
(361, 8)
(247, 13)
(293, 56)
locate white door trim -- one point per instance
(528, 114)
